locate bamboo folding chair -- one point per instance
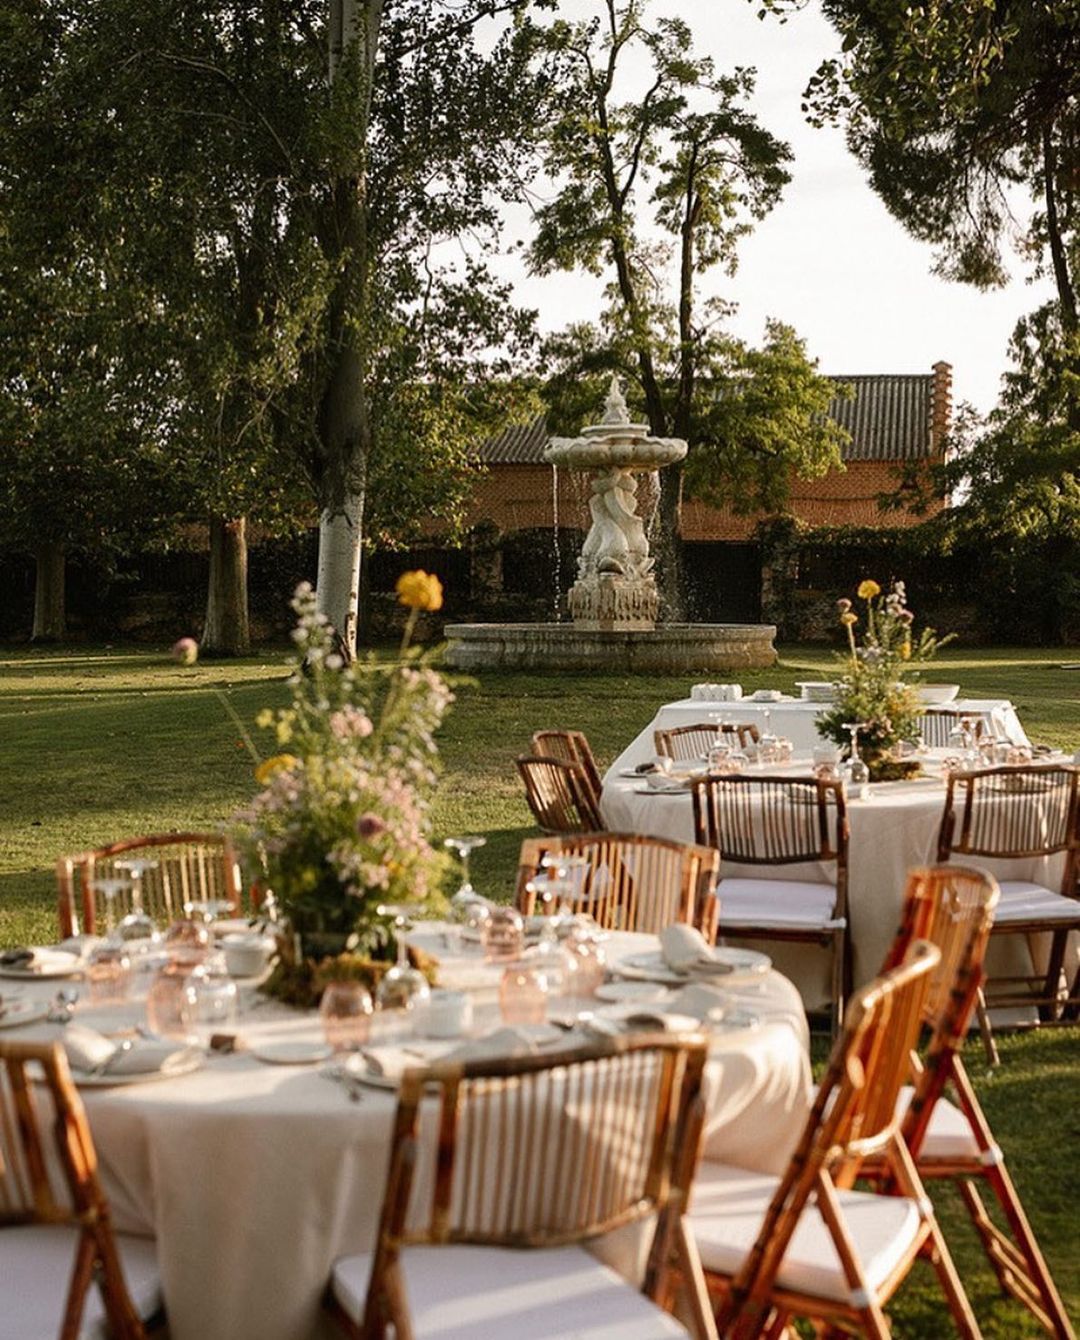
(491, 1196)
(807, 1244)
(632, 882)
(953, 908)
(56, 1235)
(936, 727)
(191, 867)
(572, 747)
(780, 821)
(558, 795)
(1016, 813)
(690, 744)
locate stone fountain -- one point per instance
(614, 602)
(615, 590)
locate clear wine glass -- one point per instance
(137, 925)
(109, 887)
(465, 846)
(858, 774)
(767, 744)
(402, 986)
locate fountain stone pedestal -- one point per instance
(614, 603)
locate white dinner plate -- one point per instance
(195, 1060)
(292, 1053)
(676, 789)
(729, 1020)
(15, 1013)
(616, 993)
(49, 963)
(742, 965)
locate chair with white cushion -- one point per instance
(807, 1244)
(56, 1235)
(953, 908)
(780, 822)
(1024, 813)
(502, 1170)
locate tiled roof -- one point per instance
(889, 420)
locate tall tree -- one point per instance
(682, 139)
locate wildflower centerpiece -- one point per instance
(872, 691)
(341, 823)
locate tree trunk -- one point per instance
(338, 580)
(670, 556)
(226, 632)
(50, 618)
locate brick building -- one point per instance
(895, 421)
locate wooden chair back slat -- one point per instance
(633, 882)
(1011, 811)
(690, 744)
(558, 795)
(542, 1151)
(572, 747)
(771, 820)
(191, 867)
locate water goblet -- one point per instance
(109, 887)
(718, 756)
(137, 925)
(858, 774)
(523, 994)
(402, 986)
(590, 962)
(187, 943)
(345, 1010)
(465, 846)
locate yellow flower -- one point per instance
(265, 718)
(868, 590)
(269, 766)
(419, 590)
(849, 619)
(905, 650)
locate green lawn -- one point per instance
(103, 743)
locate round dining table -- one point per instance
(254, 1178)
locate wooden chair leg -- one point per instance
(985, 1031)
(959, 1307)
(1018, 1263)
(1048, 1010)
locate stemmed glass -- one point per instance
(137, 925)
(767, 744)
(402, 986)
(465, 846)
(858, 773)
(109, 887)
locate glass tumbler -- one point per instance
(523, 995)
(345, 1010)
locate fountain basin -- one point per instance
(685, 648)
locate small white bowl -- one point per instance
(937, 694)
(246, 955)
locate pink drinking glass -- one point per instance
(523, 995)
(345, 1010)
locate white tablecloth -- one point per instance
(793, 718)
(255, 1178)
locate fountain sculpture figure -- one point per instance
(615, 589)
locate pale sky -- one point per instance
(829, 260)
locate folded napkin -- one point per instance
(93, 1053)
(392, 1061)
(513, 1040)
(685, 950)
(658, 1021)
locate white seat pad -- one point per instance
(728, 1205)
(36, 1265)
(1021, 901)
(555, 1293)
(782, 903)
(949, 1136)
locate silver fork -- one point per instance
(340, 1074)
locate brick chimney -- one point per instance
(940, 406)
